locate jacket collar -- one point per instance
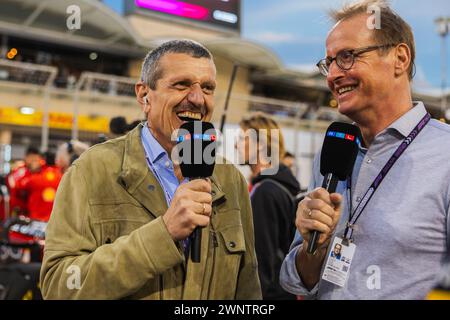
(140, 182)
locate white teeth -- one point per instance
(346, 89)
(191, 115)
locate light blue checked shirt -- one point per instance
(162, 167)
(160, 164)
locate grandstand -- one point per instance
(66, 83)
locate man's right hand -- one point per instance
(191, 207)
(319, 211)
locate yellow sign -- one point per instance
(57, 120)
(439, 295)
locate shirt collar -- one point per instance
(406, 123)
(152, 147)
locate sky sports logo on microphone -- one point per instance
(199, 144)
(195, 144)
(344, 136)
(203, 137)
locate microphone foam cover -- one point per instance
(196, 144)
(340, 149)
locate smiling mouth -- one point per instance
(346, 89)
(189, 116)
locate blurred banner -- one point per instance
(57, 120)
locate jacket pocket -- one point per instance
(111, 221)
(233, 239)
(109, 231)
(118, 211)
(227, 260)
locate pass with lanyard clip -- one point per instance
(339, 261)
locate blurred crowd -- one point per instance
(30, 187)
(32, 183)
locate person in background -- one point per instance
(289, 161)
(272, 199)
(119, 125)
(38, 189)
(68, 152)
(34, 161)
(32, 164)
(33, 186)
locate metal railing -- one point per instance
(297, 117)
(34, 74)
(100, 85)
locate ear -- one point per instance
(141, 91)
(402, 59)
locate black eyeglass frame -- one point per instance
(324, 64)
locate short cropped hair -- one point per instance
(151, 71)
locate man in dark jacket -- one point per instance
(272, 197)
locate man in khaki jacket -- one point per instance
(123, 211)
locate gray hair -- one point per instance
(394, 30)
(151, 72)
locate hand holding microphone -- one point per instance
(319, 211)
(196, 147)
(338, 156)
(190, 208)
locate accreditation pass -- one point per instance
(339, 261)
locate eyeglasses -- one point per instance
(345, 59)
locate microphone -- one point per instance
(338, 156)
(196, 144)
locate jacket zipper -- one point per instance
(213, 256)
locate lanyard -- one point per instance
(354, 215)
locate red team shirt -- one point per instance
(34, 193)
